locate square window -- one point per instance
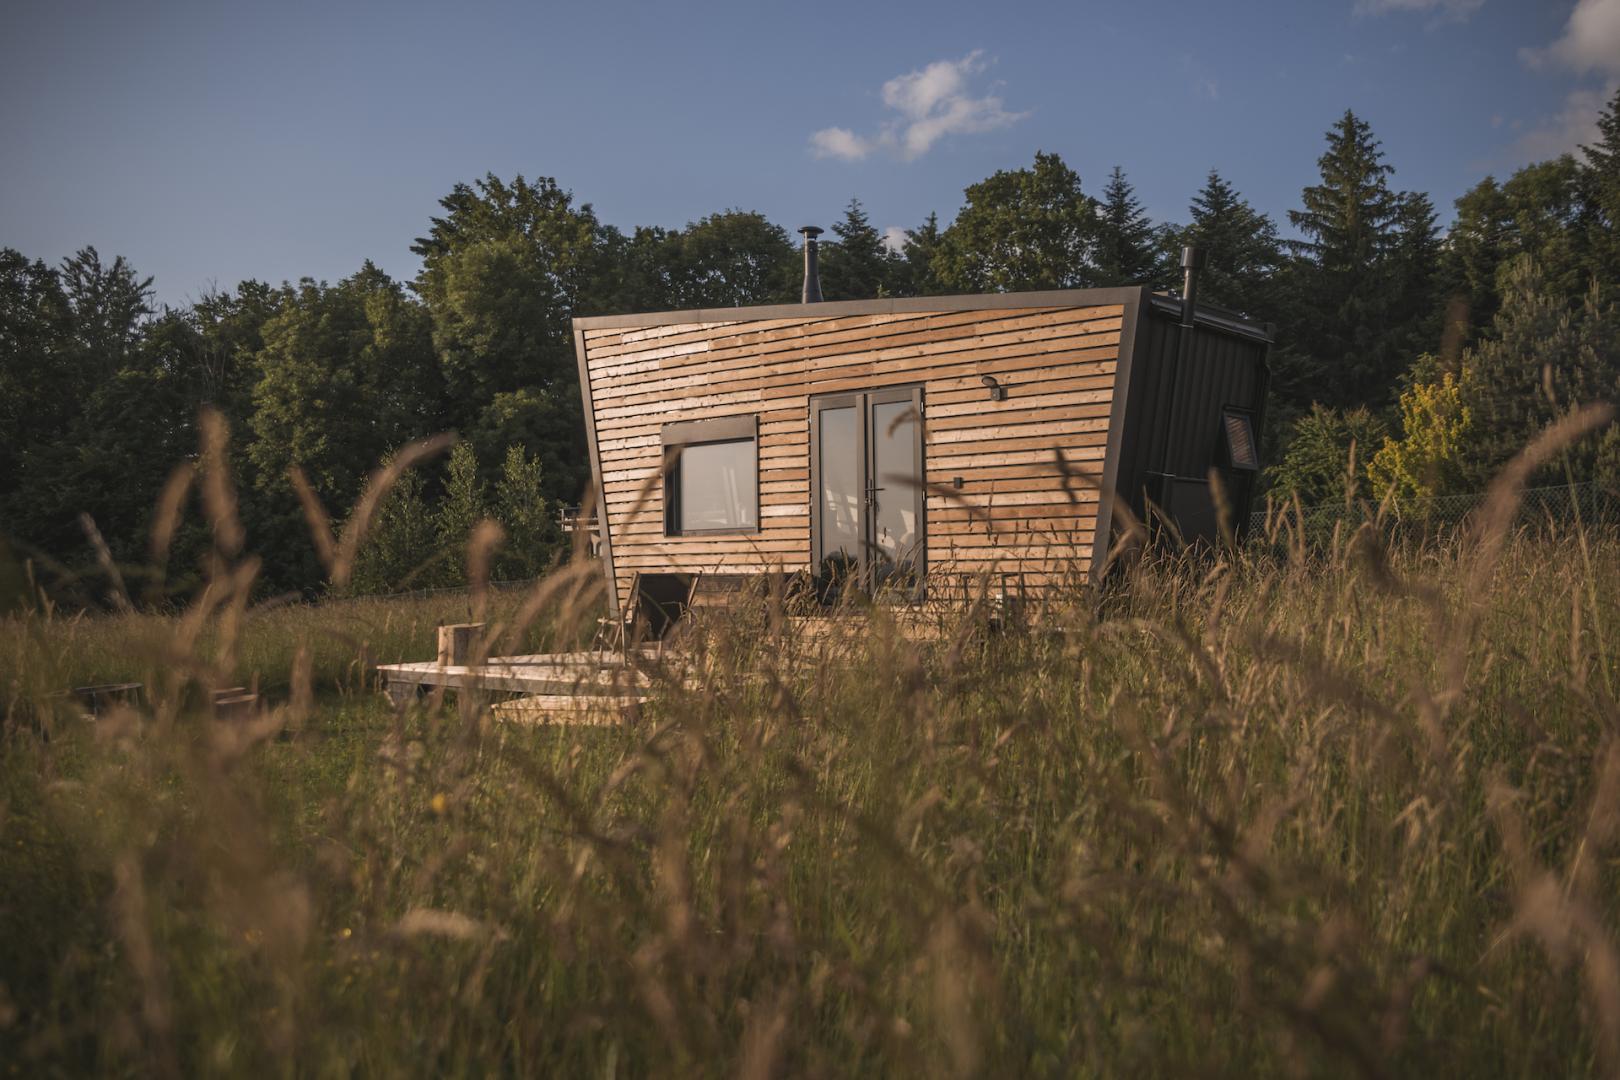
(1240, 449)
(711, 476)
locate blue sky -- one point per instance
(211, 142)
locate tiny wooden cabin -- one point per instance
(915, 440)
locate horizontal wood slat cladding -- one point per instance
(1028, 467)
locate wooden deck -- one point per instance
(581, 674)
(571, 709)
(601, 688)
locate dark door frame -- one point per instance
(863, 401)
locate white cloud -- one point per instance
(934, 102)
(1591, 41)
(1458, 10)
(1590, 44)
(839, 143)
(894, 238)
(1574, 126)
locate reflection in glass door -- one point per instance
(867, 473)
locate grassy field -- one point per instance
(1343, 812)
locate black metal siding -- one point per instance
(1223, 370)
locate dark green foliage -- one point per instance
(533, 417)
(921, 247)
(1538, 212)
(857, 265)
(401, 550)
(503, 272)
(347, 372)
(1542, 359)
(1600, 184)
(533, 534)
(730, 259)
(88, 414)
(1129, 251)
(465, 503)
(1022, 229)
(1352, 331)
(1327, 453)
(1241, 248)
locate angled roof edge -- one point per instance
(838, 308)
(1216, 318)
(1213, 317)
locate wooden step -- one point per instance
(570, 709)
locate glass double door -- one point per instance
(866, 474)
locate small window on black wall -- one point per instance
(1238, 430)
(711, 476)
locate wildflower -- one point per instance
(439, 803)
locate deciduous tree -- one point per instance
(1022, 229)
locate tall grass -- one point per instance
(1342, 812)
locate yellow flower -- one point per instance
(439, 803)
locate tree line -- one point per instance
(1409, 359)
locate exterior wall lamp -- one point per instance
(997, 391)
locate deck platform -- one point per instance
(580, 674)
(571, 709)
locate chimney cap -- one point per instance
(810, 232)
(1192, 258)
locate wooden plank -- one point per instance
(980, 490)
(992, 340)
(1055, 378)
(1024, 363)
(982, 458)
(892, 331)
(797, 374)
(962, 356)
(984, 443)
(1018, 555)
(758, 335)
(1023, 417)
(569, 710)
(1064, 521)
(729, 564)
(979, 405)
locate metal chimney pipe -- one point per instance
(812, 273)
(1192, 261)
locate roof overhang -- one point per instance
(1212, 317)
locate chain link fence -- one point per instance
(1553, 508)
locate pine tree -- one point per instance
(1346, 320)
(399, 550)
(1415, 275)
(1241, 248)
(1542, 359)
(1543, 210)
(533, 535)
(463, 506)
(856, 266)
(921, 245)
(1347, 217)
(1600, 175)
(1128, 248)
